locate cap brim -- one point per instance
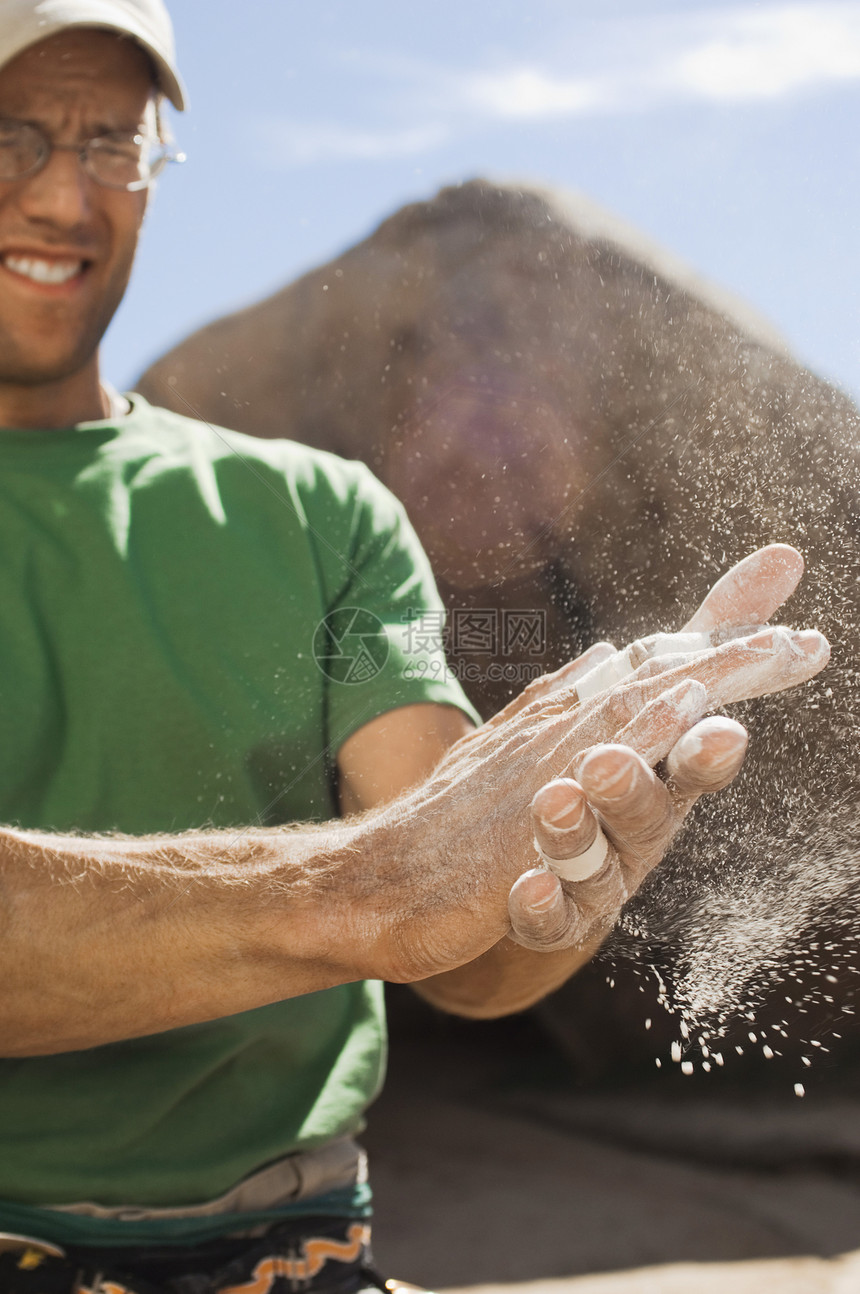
(168, 80)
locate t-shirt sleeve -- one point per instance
(380, 643)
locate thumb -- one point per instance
(752, 590)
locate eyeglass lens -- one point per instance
(116, 161)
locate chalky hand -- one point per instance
(599, 832)
(461, 870)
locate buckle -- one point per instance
(33, 1252)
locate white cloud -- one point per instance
(529, 92)
(765, 54)
(722, 55)
(733, 55)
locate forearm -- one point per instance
(505, 979)
(113, 938)
(109, 938)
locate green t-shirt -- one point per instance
(162, 667)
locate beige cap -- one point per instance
(24, 22)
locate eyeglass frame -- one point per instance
(50, 147)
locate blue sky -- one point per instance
(726, 131)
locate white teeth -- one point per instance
(43, 271)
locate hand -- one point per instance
(472, 823)
(640, 811)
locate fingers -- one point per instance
(621, 666)
(547, 913)
(634, 805)
(601, 835)
(542, 916)
(611, 670)
(562, 678)
(662, 652)
(747, 595)
(662, 722)
(566, 833)
(707, 757)
(576, 669)
(752, 590)
(768, 661)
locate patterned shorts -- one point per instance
(304, 1256)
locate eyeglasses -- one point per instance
(118, 161)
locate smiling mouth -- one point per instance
(52, 273)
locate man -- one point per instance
(191, 1015)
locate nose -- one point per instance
(60, 194)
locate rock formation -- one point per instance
(585, 433)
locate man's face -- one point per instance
(60, 225)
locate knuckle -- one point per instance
(701, 781)
(599, 899)
(664, 709)
(641, 650)
(620, 706)
(560, 927)
(640, 847)
(649, 669)
(534, 690)
(610, 890)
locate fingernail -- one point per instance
(689, 698)
(568, 817)
(716, 742)
(809, 641)
(609, 778)
(727, 746)
(559, 804)
(538, 878)
(602, 651)
(638, 653)
(762, 641)
(544, 905)
(684, 689)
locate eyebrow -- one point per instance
(103, 129)
(94, 131)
